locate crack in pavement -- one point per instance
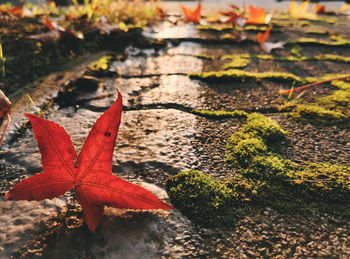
(151, 75)
(209, 41)
(183, 108)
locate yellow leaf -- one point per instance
(299, 11)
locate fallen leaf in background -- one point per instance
(50, 25)
(345, 9)
(89, 174)
(257, 16)
(262, 37)
(235, 8)
(160, 13)
(236, 19)
(192, 16)
(268, 46)
(56, 33)
(318, 8)
(299, 11)
(17, 10)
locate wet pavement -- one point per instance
(161, 136)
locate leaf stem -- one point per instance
(286, 92)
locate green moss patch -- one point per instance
(316, 31)
(101, 64)
(220, 114)
(317, 114)
(256, 28)
(220, 27)
(318, 42)
(296, 51)
(215, 27)
(323, 177)
(252, 149)
(295, 57)
(341, 84)
(237, 62)
(100, 67)
(265, 128)
(337, 98)
(235, 74)
(202, 198)
(332, 109)
(331, 57)
(264, 178)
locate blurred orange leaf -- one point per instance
(257, 16)
(345, 8)
(268, 46)
(192, 15)
(17, 10)
(318, 8)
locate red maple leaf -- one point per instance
(89, 174)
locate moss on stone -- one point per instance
(314, 41)
(296, 51)
(252, 149)
(101, 64)
(256, 28)
(267, 178)
(203, 199)
(237, 62)
(319, 177)
(332, 57)
(332, 76)
(337, 37)
(234, 56)
(318, 115)
(215, 27)
(241, 152)
(270, 166)
(220, 114)
(228, 36)
(339, 98)
(265, 128)
(341, 84)
(316, 31)
(247, 189)
(235, 74)
(264, 178)
(262, 127)
(295, 57)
